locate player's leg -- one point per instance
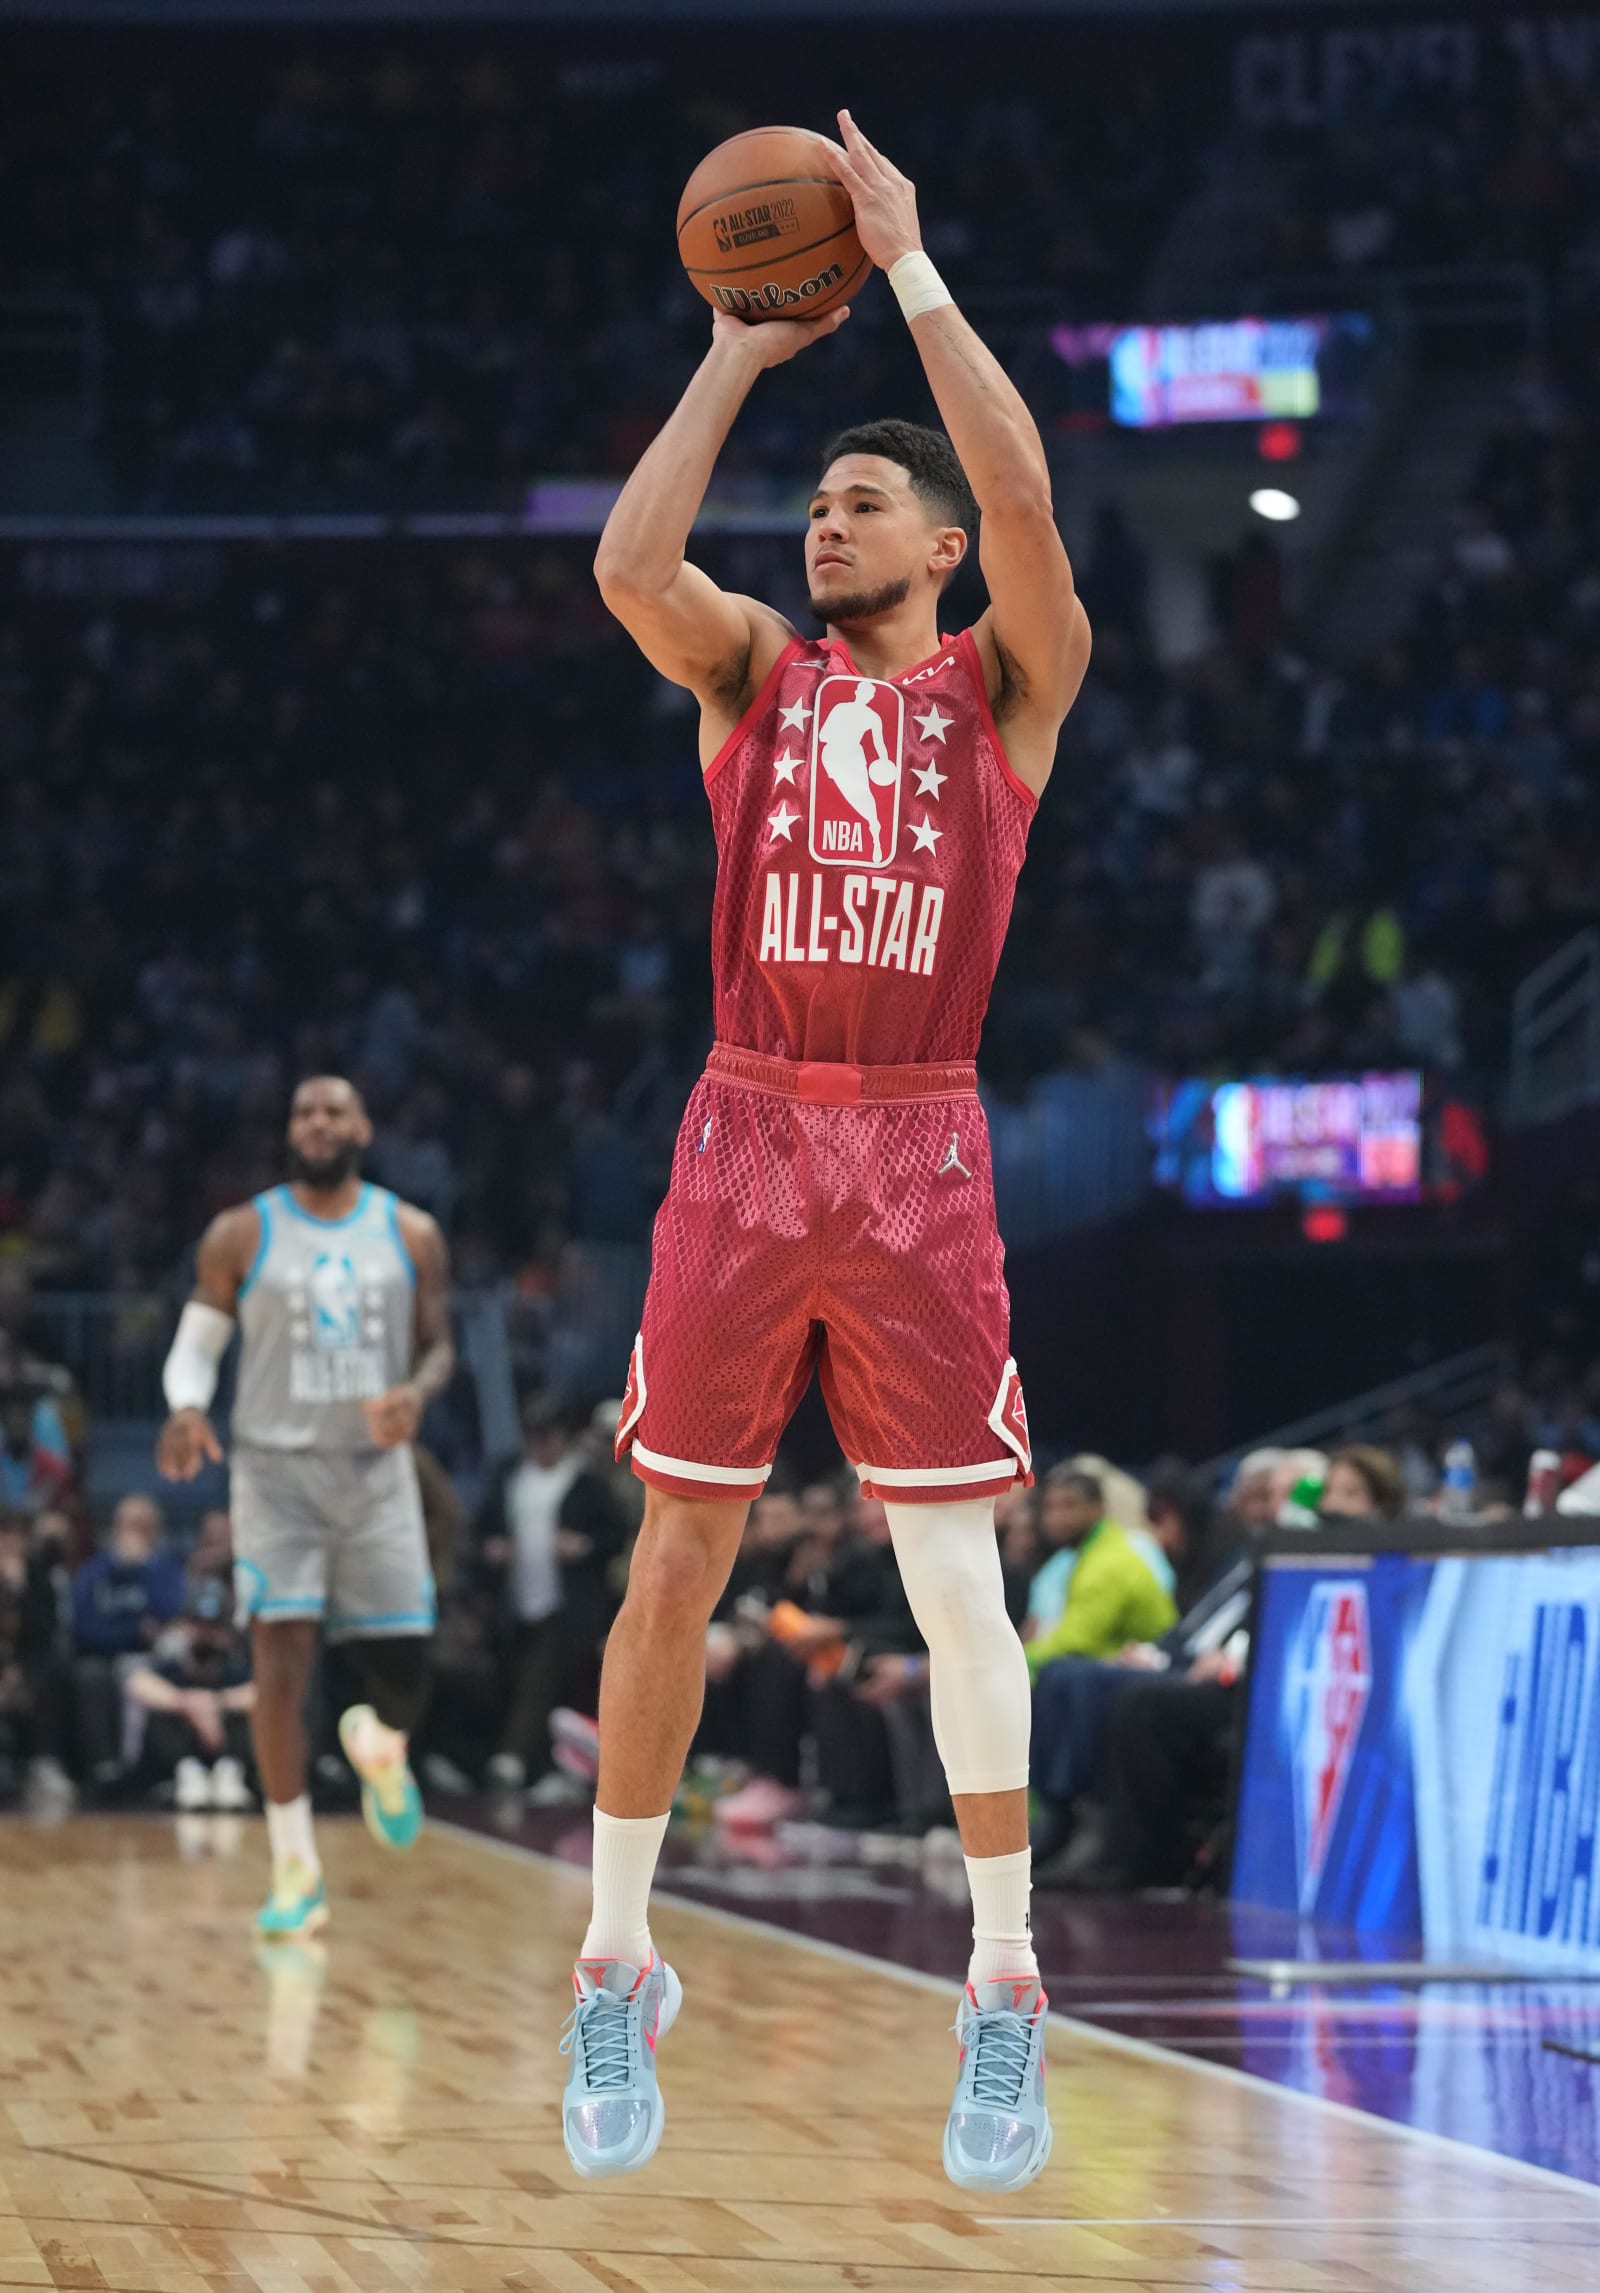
(651, 1690)
(280, 1580)
(381, 1600)
(723, 1351)
(937, 1441)
(284, 1653)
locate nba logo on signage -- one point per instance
(856, 738)
(1327, 1683)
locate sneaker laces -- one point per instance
(600, 2025)
(1000, 2044)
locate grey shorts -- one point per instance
(332, 1535)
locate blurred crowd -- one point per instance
(344, 272)
(125, 1677)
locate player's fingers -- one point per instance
(210, 1444)
(862, 149)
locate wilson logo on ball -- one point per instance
(744, 301)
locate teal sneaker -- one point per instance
(297, 1906)
(390, 1801)
(998, 2133)
(612, 2112)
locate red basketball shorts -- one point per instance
(837, 1218)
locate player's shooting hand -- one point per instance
(187, 1442)
(394, 1417)
(885, 201)
(773, 341)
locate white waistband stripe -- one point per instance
(732, 1476)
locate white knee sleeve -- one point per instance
(977, 1674)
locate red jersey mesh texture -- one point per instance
(858, 1239)
(869, 834)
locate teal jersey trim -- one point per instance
(391, 1204)
(263, 1207)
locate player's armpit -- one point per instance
(694, 633)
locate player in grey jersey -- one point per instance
(340, 1294)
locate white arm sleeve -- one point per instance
(190, 1377)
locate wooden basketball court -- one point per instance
(184, 2113)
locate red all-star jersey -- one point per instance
(869, 833)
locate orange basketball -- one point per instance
(766, 229)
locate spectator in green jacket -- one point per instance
(1112, 1595)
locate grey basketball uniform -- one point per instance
(325, 1523)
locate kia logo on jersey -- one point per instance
(856, 737)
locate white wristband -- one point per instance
(918, 286)
(190, 1377)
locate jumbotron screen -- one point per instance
(1235, 370)
(1338, 1139)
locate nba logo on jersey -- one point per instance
(1327, 1683)
(335, 1303)
(856, 737)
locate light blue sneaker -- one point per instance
(297, 1908)
(391, 1804)
(998, 2133)
(612, 2112)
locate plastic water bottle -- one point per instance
(1460, 1484)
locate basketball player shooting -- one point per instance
(340, 1294)
(831, 1202)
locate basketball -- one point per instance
(766, 229)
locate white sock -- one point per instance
(289, 1830)
(625, 1851)
(373, 1744)
(1002, 1939)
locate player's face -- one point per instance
(328, 1133)
(870, 541)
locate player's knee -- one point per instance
(950, 1566)
(676, 1573)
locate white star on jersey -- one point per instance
(782, 822)
(924, 835)
(929, 778)
(795, 716)
(933, 725)
(786, 766)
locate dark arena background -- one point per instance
(328, 336)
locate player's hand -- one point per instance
(885, 202)
(394, 1417)
(187, 1442)
(774, 341)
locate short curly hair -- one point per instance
(928, 459)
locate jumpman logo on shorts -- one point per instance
(952, 1158)
(705, 1135)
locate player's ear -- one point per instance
(949, 548)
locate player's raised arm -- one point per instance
(692, 631)
(205, 1331)
(1035, 636)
